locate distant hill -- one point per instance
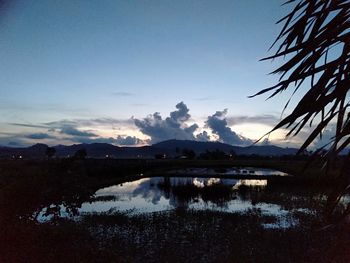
(171, 148)
(267, 150)
(196, 146)
(199, 147)
(102, 150)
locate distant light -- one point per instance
(20, 157)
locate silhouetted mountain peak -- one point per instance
(38, 147)
(171, 148)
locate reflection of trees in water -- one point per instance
(65, 199)
(251, 193)
(36, 188)
(183, 191)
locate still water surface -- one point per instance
(230, 171)
(156, 194)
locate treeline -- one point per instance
(218, 154)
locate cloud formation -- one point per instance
(91, 137)
(75, 131)
(175, 127)
(119, 140)
(172, 127)
(128, 140)
(71, 130)
(87, 140)
(266, 119)
(89, 122)
(203, 137)
(28, 125)
(218, 124)
(178, 125)
(13, 141)
(39, 136)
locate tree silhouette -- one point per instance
(315, 40)
(190, 154)
(50, 152)
(80, 154)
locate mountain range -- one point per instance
(170, 148)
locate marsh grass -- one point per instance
(205, 236)
(181, 235)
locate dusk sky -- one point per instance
(99, 71)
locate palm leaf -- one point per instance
(315, 40)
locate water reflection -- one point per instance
(230, 171)
(165, 193)
(256, 183)
(157, 194)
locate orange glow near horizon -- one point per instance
(255, 131)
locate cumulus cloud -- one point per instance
(175, 127)
(128, 140)
(172, 127)
(203, 137)
(218, 124)
(178, 125)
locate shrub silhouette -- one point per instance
(80, 154)
(50, 152)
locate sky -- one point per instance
(138, 72)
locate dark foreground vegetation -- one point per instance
(179, 235)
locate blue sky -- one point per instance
(85, 71)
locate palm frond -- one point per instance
(315, 40)
(312, 31)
